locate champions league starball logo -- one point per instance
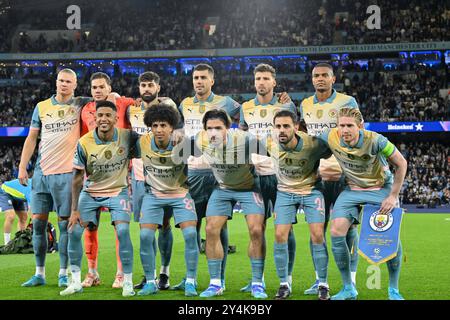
(381, 222)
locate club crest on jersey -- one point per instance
(332, 113)
(381, 222)
(202, 108)
(263, 113)
(319, 114)
(302, 162)
(108, 154)
(365, 157)
(61, 113)
(121, 151)
(163, 160)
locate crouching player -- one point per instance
(362, 154)
(296, 156)
(166, 187)
(228, 153)
(104, 155)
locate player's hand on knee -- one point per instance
(73, 220)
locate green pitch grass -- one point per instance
(426, 242)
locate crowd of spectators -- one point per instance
(412, 96)
(10, 159)
(427, 181)
(189, 24)
(382, 95)
(17, 102)
(401, 21)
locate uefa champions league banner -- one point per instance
(380, 234)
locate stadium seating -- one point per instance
(230, 24)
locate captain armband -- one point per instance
(388, 150)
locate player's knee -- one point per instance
(212, 231)
(256, 231)
(147, 235)
(123, 230)
(336, 231)
(317, 238)
(39, 226)
(75, 232)
(189, 234)
(281, 236)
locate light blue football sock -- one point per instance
(40, 242)
(165, 243)
(147, 251)
(352, 239)
(342, 258)
(281, 255)
(320, 256)
(191, 251)
(75, 246)
(214, 266)
(394, 265)
(63, 243)
(257, 269)
(125, 247)
(312, 255)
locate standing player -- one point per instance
(320, 113)
(296, 156)
(101, 90)
(166, 186)
(15, 200)
(362, 155)
(256, 117)
(200, 177)
(57, 120)
(149, 88)
(103, 154)
(228, 154)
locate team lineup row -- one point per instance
(284, 174)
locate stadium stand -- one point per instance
(230, 24)
(388, 86)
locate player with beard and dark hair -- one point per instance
(256, 117)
